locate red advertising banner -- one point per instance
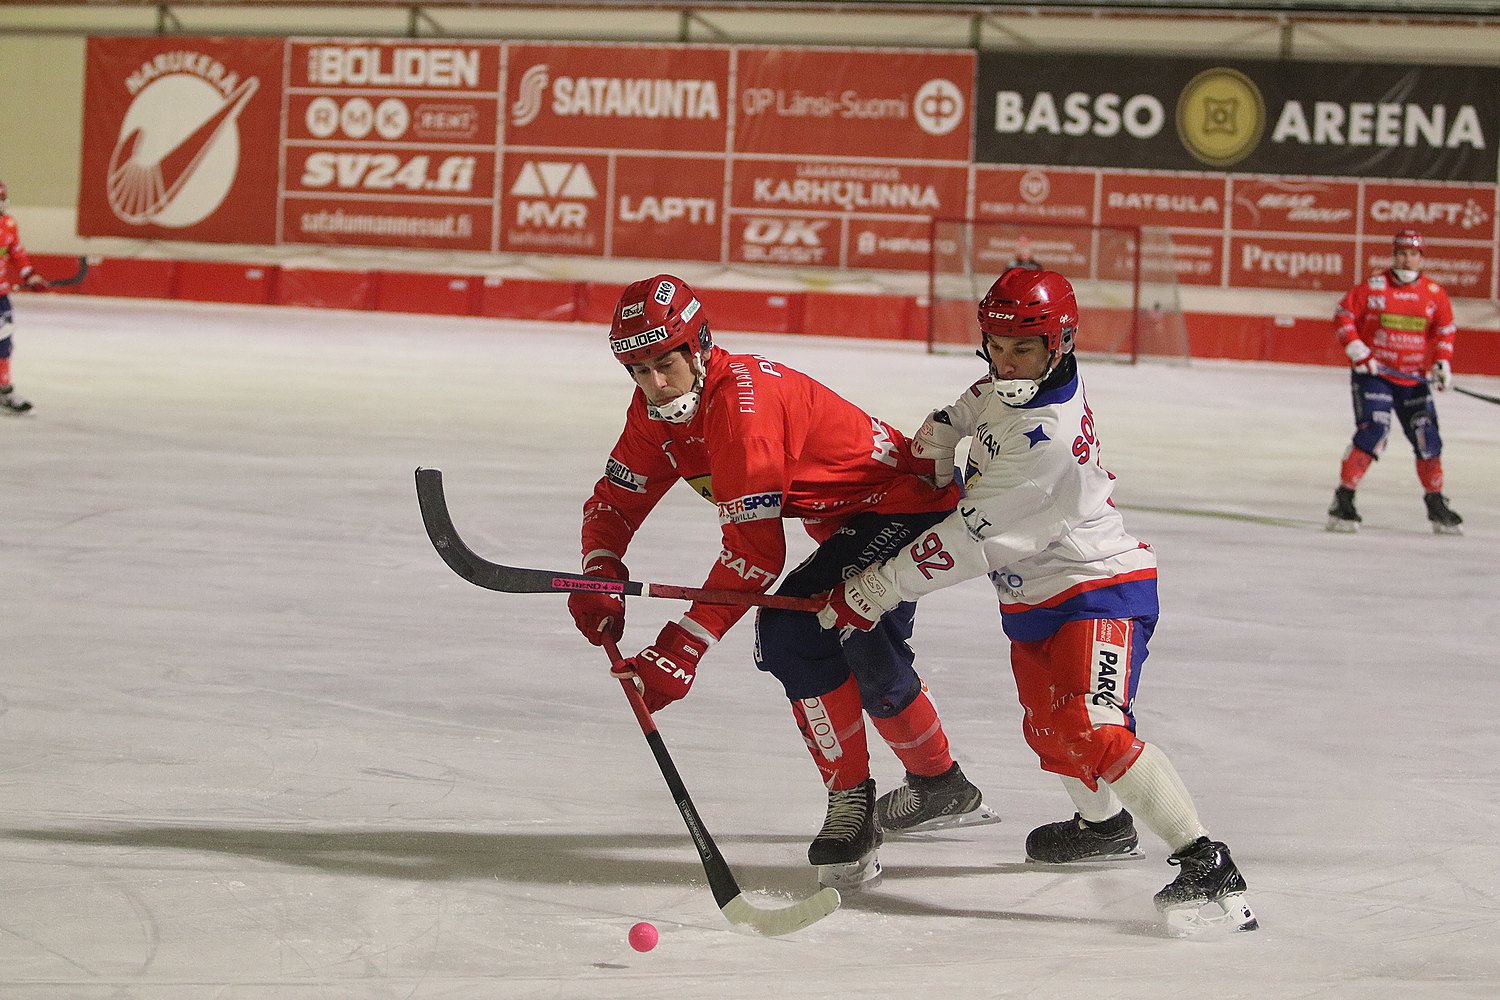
(554, 203)
(1199, 258)
(324, 219)
(335, 65)
(398, 172)
(820, 157)
(1137, 199)
(866, 188)
(807, 240)
(465, 119)
(1052, 195)
(1285, 205)
(1294, 262)
(178, 139)
(1440, 211)
(889, 244)
(668, 207)
(618, 97)
(391, 143)
(887, 104)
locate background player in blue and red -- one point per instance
(763, 442)
(1397, 328)
(15, 268)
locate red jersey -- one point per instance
(767, 443)
(15, 264)
(1407, 327)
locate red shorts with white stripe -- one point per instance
(1077, 687)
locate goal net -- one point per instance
(1124, 276)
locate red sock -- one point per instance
(833, 727)
(1430, 471)
(1354, 466)
(916, 735)
(4, 371)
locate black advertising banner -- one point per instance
(1298, 118)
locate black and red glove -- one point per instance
(600, 616)
(666, 668)
(34, 281)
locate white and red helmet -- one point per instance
(1407, 239)
(658, 315)
(1026, 303)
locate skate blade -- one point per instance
(852, 876)
(1341, 527)
(1134, 854)
(1225, 916)
(980, 815)
(1447, 529)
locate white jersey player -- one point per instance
(1077, 595)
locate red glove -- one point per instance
(600, 616)
(34, 281)
(665, 669)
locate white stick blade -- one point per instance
(772, 923)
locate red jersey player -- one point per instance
(763, 442)
(15, 267)
(1397, 328)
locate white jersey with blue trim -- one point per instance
(1037, 503)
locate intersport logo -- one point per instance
(178, 150)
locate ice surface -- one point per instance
(256, 740)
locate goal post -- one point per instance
(1125, 278)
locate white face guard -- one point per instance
(1404, 276)
(684, 407)
(1014, 391)
(1018, 391)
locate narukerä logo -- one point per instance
(179, 147)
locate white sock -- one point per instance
(1153, 792)
(1092, 806)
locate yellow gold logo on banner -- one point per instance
(1221, 116)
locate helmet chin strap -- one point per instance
(684, 407)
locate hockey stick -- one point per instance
(1477, 395)
(514, 580)
(736, 908)
(74, 279)
(1456, 388)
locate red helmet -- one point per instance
(1407, 239)
(655, 316)
(1024, 303)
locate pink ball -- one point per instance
(643, 936)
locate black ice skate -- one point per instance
(1445, 520)
(11, 402)
(844, 850)
(1341, 513)
(1077, 839)
(925, 804)
(1208, 894)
